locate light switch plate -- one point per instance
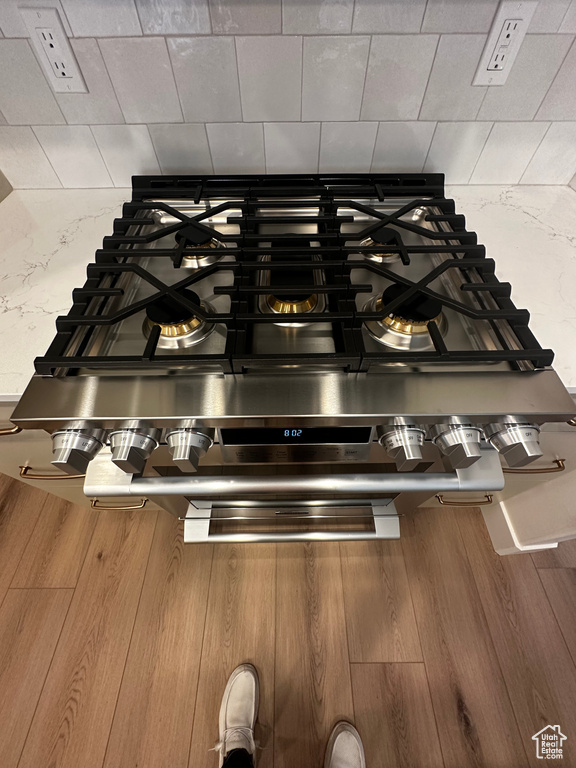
(53, 49)
(508, 30)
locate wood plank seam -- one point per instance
(131, 635)
(553, 611)
(46, 675)
(200, 657)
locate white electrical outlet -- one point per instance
(53, 49)
(509, 28)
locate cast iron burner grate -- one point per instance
(70, 350)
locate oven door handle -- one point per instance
(385, 520)
(484, 475)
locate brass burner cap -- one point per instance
(281, 306)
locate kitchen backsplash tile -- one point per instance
(322, 17)
(534, 70)
(560, 101)
(207, 77)
(25, 96)
(402, 146)
(270, 71)
(102, 18)
(373, 16)
(455, 150)
(450, 94)
(569, 21)
(555, 158)
(126, 150)
(100, 104)
(74, 155)
(292, 147)
(507, 152)
(347, 147)
(182, 148)
(333, 77)
(246, 17)
(398, 71)
(459, 15)
(23, 161)
(351, 84)
(174, 17)
(549, 15)
(142, 76)
(237, 147)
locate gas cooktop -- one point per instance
(247, 274)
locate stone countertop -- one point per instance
(49, 236)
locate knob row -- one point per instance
(460, 442)
(74, 448)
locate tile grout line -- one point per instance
(131, 637)
(481, 152)
(533, 155)
(421, 30)
(154, 146)
(430, 145)
(201, 651)
(365, 79)
(209, 147)
(108, 171)
(371, 167)
(174, 81)
(110, 77)
(238, 80)
(539, 107)
(418, 118)
(31, 127)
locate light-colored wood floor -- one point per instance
(116, 641)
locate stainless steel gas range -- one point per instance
(292, 358)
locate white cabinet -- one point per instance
(536, 509)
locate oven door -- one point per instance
(252, 504)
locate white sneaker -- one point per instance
(238, 711)
(344, 748)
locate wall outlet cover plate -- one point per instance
(508, 30)
(53, 49)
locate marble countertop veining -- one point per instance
(49, 236)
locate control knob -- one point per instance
(403, 442)
(459, 441)
(187, 445)
(516, 440)
(132, 445)
(73, 448)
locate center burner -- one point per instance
(300, 301)
(407, 327)
(197, 248)
(382, 237)
(179, 328)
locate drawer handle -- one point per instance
(30, 475)
(560, 467)
(572, 422)
(10, 431)
(457, 503)
(95, 505)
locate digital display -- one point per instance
(295, 435)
